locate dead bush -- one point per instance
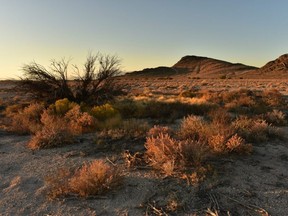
(79, 122)
(275, 117)
(94, 178)
(54, 132)
(156, 130)
(194, 152)
(255, 130)
(193, 127)
(27, 121)
(164, 153)
(95, 85)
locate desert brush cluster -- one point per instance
(178, 136)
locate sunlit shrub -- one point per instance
(193, 127)
(79, 122)
(27, 120)
(164, 153)
(94, 178)
(54, 132)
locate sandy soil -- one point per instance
(255, 184)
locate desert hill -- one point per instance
(158, 71)
(210, 68)
(204, 67)
(277, 68)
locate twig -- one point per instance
(250, 206)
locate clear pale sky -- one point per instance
(143, 34)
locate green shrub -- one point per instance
(104, 112)
(62, 106)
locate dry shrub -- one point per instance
(194, 152)
(94, 178)
(193, 127)
(273, 98)
(156, 130)
(256, 130)
(79, 122)
(237, 144)
(276, 117)
(55, 132)
(131, 128)
(27, 120)
(133, 160)
(218, 135)
(169, 155)
(220, 116)
(197, 176)
(164, 153)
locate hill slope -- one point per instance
(277, 68)
(210, 68)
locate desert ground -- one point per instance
(252, 184)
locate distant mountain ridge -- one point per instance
(204, 67)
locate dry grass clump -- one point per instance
(54, 132)
(94, 178)
(27, 121)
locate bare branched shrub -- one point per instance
(96, 84)
(27, 120)
(94, 178)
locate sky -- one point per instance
(143, 34)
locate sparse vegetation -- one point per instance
(187, 133)
(94, 178)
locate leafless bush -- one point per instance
(95, 85)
